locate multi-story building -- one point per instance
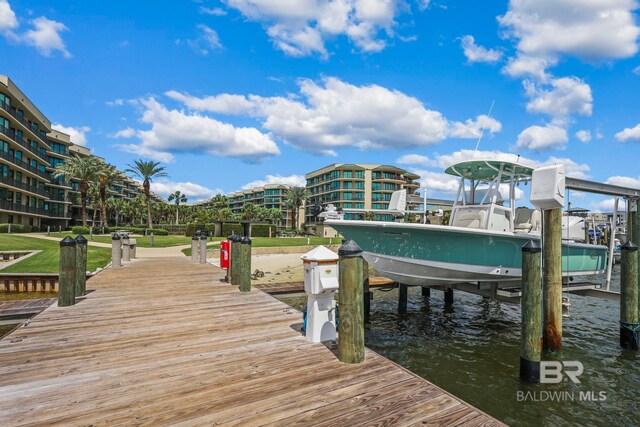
(357, 186)
(271, 196)
(29, 152)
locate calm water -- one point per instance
(472, 350)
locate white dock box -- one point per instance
(320, 284)
(548, 187)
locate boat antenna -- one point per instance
(482, 130)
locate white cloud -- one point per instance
(414, 159)
(475, 53)
(624, 181)
(629, 134)
(583, 135)
(207, 41)
(176, 131)
(568, 95)
(216, 11)
(608, 205)
(78, 134)
(45, 37)
(571, 168)
(335, 114)
(125, 133)
(438, 184)
(540, 138)
(637, 70)
(292, 180)
(8, 20)
(473, 128)
(194, 192)
(593, 30)
(301, 27)
(115, 103)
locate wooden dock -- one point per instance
(163, 341)
(24, 307)
(298, 287)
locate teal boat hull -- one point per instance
(425, 254)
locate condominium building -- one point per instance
(357, 186)
(271, 196)
(29, 152)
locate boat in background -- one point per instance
(482, 242)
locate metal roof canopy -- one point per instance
(601, 188)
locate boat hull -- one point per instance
(430, 255)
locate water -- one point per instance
(472, 350)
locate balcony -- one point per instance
(11, 134)
(23, 186)
(24, 165)
(23, 121)
(15, 207)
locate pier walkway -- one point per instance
(162, 341)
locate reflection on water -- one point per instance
(472, 350)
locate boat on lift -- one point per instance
(482, 242)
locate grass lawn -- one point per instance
(48, 260)
(143, 241)
(265, 242)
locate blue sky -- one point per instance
(235, 93)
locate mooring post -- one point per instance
(531, 309)
(126, 248)
(195, 246)
(81, 266)
(235, 258)
(351, 329)
(67, 276)
(448, 296)
(426, 292)
(116, 251)
(552, 280)
(244, 277)
(367, 294)
(203, 248)
(152, 240)
(633, 232)
(629, 326)
(402, 298)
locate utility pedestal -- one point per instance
(195, 245)
(320, 284)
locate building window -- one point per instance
(359, 174)
(347, 174)
(5, 99)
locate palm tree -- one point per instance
(118, 205)
(178, 198)
(107, 175)
(83, 169)
(147, 171)
(296, 197)
(219, 202)
(249, 211)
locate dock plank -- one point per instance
(163, 341)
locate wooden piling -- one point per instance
(116, 251)
(67, 275)
(195, 247)
(448, 296)
(367, 294)
(350, 300)
(552, 280)
(81, 266)
(244, 256)
(629, 325)
(531, 312)
(203, 248)
(235, 245)
(402, 298)
(633, 232)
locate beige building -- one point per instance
(357, 186)
(271, 196)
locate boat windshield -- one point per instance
(486, 194)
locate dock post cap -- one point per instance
(203, 235)
(68, 241)
(236, 238)
(532, 246)
(245, 240)
(350, 249)
(194, 237)
(115, 236)
(629, 246)
(81, 240)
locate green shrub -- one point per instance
(78, 229)
(190, 229)
(16, 228)
(173, 228)
(140, 230)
